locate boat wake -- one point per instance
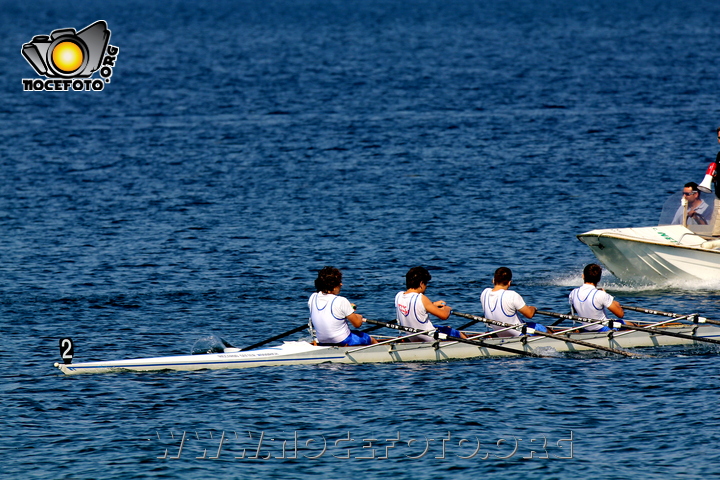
(611, 283)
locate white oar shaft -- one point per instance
(654, 331)
(478, 337)
(392, 340)
(657, 324)
(565, 331)
(457, 339)
(696, 318)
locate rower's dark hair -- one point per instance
(328, 278)
(693, 186)
(417, 275)
(592, 273)
(502, 276)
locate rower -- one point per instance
(502, 305)
(330, 313)
(412, 307)
(589, 301)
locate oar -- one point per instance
(377, 327)
(387, 342)
(654, 331)
(457, 339)
(669, 314)
(550, 335)
(468, 325)
(569, 316)
(295, 330)
(276, 337)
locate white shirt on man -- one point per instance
(328, 313)
(502, 306)
(411, 312)
(700, 210)
(590, 302)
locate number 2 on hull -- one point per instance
(67, 350)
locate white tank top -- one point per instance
(411, 312)
(328, 313)
(502, 306)
(589, 302)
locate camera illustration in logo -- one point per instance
(66, 53)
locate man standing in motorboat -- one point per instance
(696, 207)
(502, 305)
(412, 307)
(711, 177)
(330, 313)
(589, 301)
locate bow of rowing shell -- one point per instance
(303, 353)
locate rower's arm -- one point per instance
(439, 308)
(355, 319)
(528, 311)
(616, 309)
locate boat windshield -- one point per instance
(672, 213)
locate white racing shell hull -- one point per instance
(303, 353)
(654, 254)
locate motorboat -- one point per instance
(671, 251)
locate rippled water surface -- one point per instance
(241, 146)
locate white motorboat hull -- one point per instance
(303, 353)
(654, 254)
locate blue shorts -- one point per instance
(449, 331)
(537, 326)
(356, 337)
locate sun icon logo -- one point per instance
(66, 53)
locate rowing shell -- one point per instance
(304, 353)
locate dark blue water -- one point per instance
(241, 146)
